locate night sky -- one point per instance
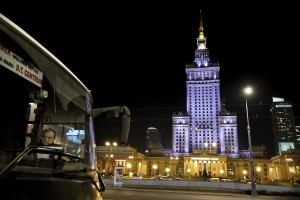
(134, 55)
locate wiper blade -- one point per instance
(51, 147)
(54, 151)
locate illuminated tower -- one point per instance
(203, 98)
(203, 131)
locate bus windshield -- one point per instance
(38, 93)
(47, 136)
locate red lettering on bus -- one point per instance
(33, 77)
(5, 50)
(17, 68)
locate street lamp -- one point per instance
(245, 174)
(129, 169)
(154, 169)
(167, 171)
(189, 172)
(248, 91)
(292, 171)
(221, 172)
(258, 169)
(111, 145)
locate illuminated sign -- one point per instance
(284, 146)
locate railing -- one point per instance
(207, 184)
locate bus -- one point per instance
(38, 92)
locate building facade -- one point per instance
(180, 130)
(229, 145)
(128, 157)
(205, 138)
(153, 141)
(283, 121)
(297, 130)
(285, 167)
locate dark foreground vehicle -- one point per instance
(39, 92)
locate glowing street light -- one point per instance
(221, 172)
(292, 171)
(248, 91)
(245, 174)
(154, 168)
(129, 166)
(167, 171)
(111, 145)
(189, 172)
(258, 169)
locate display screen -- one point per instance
(75, 136)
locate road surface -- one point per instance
(143, 193)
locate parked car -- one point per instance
(177, 178)
(226, 180)
(214, 179)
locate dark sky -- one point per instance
(134, 55)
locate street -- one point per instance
(132, 193)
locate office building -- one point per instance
(283, 125)
(153, 141)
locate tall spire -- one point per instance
(201, 40)
(201, 29)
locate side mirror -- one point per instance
(115, 112)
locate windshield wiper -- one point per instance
(13, 163)
(55, 150)
(35, 149)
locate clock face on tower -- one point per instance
(201, 46)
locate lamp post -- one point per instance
(167, 171)
(109, 156)
(221, 172)
(245, 174)
(189, 173)
(248, 91)
(128, 165)
(154, 169)
(296, 172)
(111, 145)
(258, 169)
(292, 171)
